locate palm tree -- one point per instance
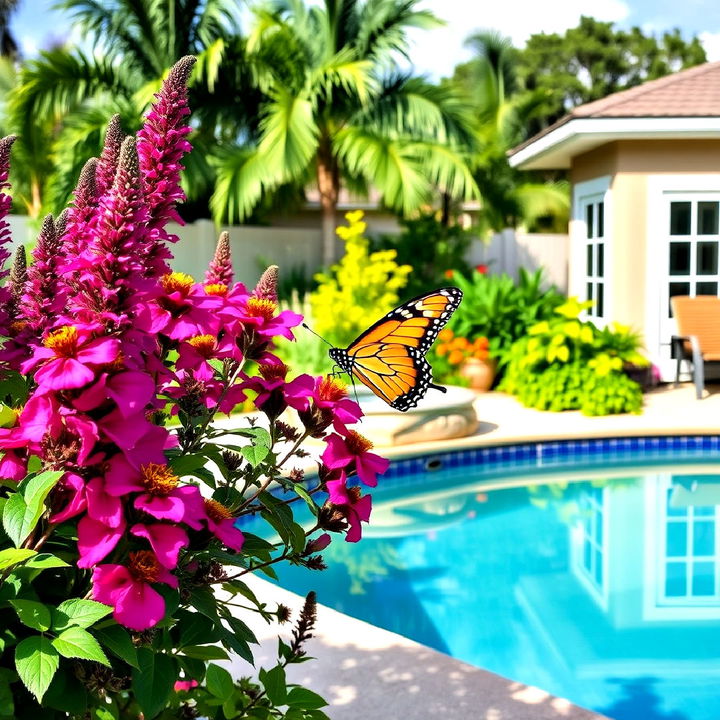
(8, 44)
(509, 197)
(338, 112)
(136, 42)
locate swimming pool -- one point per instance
(588, 568)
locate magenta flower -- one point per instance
(194, 354)
(354, 507)
(68, 357)
(184, 685)
(182, 309)
(258, 315)
(129, 590)
(141, 441)
(68, 498)
(160, 494)
(221, 524)
(165, 540)
(130, 391)
(13, 466)
(351, 452)
(274, 393)
(96, 540)
(330, 406)
(101, 506)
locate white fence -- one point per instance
(253, 248)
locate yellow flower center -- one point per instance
(63, 341)
(216, 511)
(216, 289)
(143, 566)
(204, 344)
(357, 443)
(260, 307)
(177, 282)
(332, 389)
(159, 480)
(273, 372)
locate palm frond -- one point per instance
(344, 71)
(538, 200)
(241, 176)
(289, 135)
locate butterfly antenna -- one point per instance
(307, 327)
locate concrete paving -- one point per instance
(367, 672)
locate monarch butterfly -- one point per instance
(389, 357)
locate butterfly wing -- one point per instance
(389, 357)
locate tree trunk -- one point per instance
(328, 185)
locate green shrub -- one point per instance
(502, 310)
(567, 364)
(430, 248)
(359, 289)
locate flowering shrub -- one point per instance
(360, 288)
(120, 499)
(451, 351)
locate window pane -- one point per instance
(598, 567)
(680, 258)
(703, 579)
(707, 218)
(589, 262)
(587, 556)
(675, 580)
(678, 288)
(679, 218)
(706, 510)
(707, 258)
(601, 259)
(601, 220)
(706, 288)
(600, 299)
(704, 538)
(674, 511)
(599, 528)
(589, 295)
(676, 539)
(589, 219)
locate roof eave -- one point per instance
(556, 148)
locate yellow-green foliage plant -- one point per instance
(359, 289)
(569, 364)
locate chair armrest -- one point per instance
(677, 347)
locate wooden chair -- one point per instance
(698, 339)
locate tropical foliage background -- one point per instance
(291, 96)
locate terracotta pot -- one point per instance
(480, 373)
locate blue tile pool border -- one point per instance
(560, 454)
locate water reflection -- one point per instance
(605, 591)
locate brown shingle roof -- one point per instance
(689, 93)
(694, 92)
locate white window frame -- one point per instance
(592, 191)
(656, 605)
(578, 537)
(661, 190)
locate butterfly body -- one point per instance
(389, 357)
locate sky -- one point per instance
(436, 52)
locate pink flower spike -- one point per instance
(165, 540)
(96, 541)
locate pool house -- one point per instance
(644, 165)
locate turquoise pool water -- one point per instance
(595, 579)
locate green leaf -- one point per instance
(152, 682)
(255, 454)
(33, 614)
(205, 652)
(24, 507)
(300, 697)
(7, 704)
(43, 561)
(204, 601)
(11, 556)
(66, 693)
(80, 612)
(36, 661)
(274, 683)
(78, 643)
(219, 682)
(118, 642)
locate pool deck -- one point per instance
(364, 671)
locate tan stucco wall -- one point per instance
(629, 163)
